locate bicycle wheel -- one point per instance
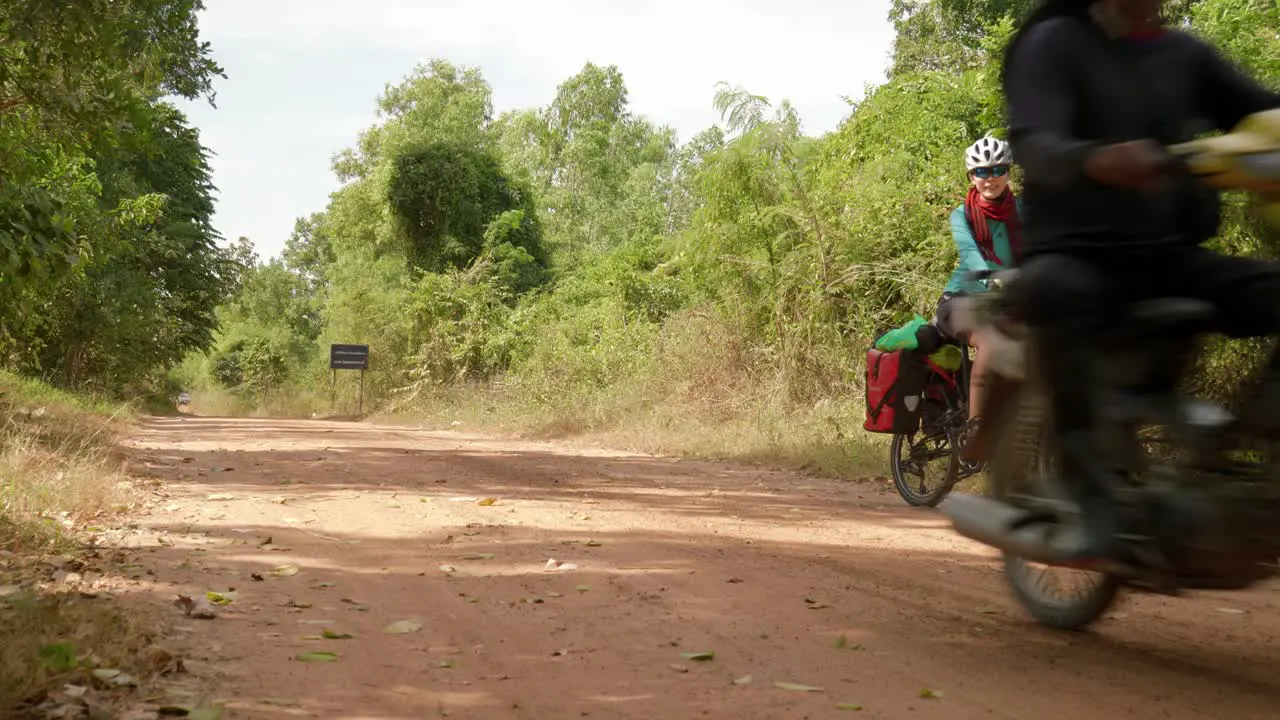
(912, 460)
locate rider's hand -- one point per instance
(1133, 164)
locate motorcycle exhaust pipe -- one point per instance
(994, 523)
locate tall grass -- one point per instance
(694, 388)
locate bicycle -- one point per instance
(944, 415)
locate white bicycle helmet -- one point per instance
(988, 151)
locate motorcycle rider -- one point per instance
(1095, 89)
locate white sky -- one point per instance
(303, 75)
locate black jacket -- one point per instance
(1070, 89)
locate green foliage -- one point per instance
(111, 271)
(453, 202)
(1245, 29)
(254, 366)
(84, 65)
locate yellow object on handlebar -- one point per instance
(1247, 158)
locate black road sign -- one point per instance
(348, 357)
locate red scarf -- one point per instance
(978, 209)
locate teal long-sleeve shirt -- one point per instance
(970, 257)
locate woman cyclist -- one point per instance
(986, 231)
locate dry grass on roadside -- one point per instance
(818, 440)
(58, 475)
(701, 393)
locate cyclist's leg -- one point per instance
(978, 374)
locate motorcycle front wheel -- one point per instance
(1023, 473)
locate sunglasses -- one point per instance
(986, 173)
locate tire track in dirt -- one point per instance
(786, 578)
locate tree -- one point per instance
(437, 102)
(104, 191)
(447, 198)
(146, 294)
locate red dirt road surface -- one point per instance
(543, 581)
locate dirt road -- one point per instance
(786, 579)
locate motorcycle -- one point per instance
(1200, 497)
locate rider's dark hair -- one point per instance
(1042, 11)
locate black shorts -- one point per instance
(942, 316)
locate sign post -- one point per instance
(347, 357)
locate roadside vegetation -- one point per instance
(577, 270)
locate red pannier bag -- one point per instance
(895, 381)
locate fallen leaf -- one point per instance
(486, 502)
(114, 677)
(448, 569)
(319, 656)
(797, 687)
(842, 642)
(218, 598)
(445, 664)
(698, 656)
(987, 611)
(582, 588)
(1230, 611)
(478, 556)
(594, 543)
(211, 711)
(849, 706)
(678, 668)
(333, 635)
(285, 571)
(930, 694)
(744, 680)
(402, 627)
